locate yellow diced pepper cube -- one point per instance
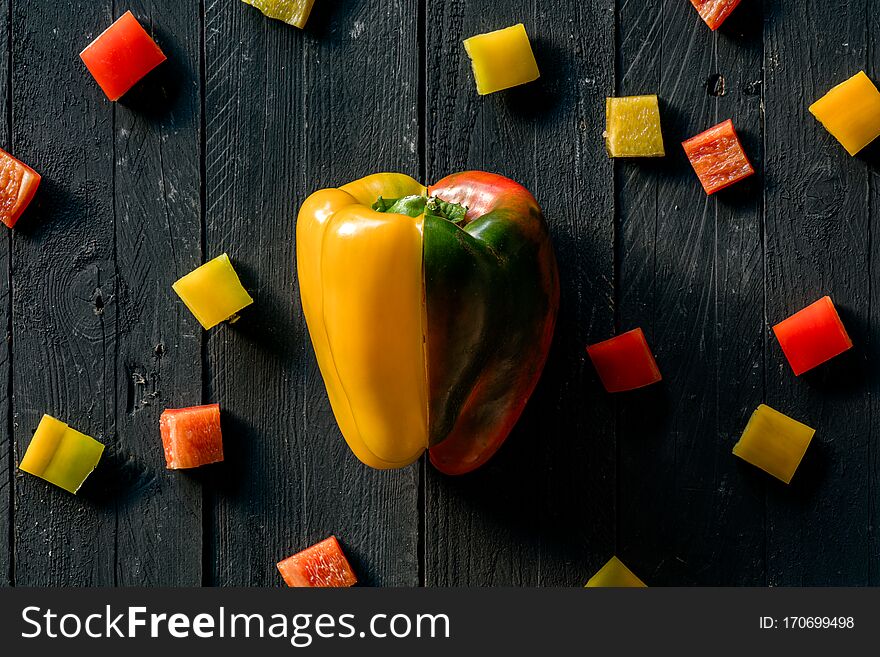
(213, 292)
(502, 59)
(632, 127)
(851, 112)
(61, 455)
(774, 442)
(615, 574)
(292, 12)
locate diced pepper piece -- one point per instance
(213, 292)
(292, 12)
(323, 565)
(191, 436)
(812, 336)
(851, 112)
(774, 442)
(632, 127)
(502, 59)
(625, 362)
(615, 574)
(18, 184)
(718, 157)
(121, 56)
(714, 12)
(61, 455)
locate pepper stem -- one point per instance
(413, 206)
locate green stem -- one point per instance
(414, 206)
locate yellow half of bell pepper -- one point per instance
(61, 455)
(360, 273)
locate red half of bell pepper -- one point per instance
(497, 269)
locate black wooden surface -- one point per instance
(215, 150)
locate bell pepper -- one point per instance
(632, 127)
(502, 59)
(774, 442)
(292, 12)
(321, 566)
(191, 436)
(714, 12)
(121, 55)
(213, 292)
(431, 312)
(718, 157)
(18, 184)
(625, 362)
(812, 336)
(851, 112)
(615, 574)
(61, 455)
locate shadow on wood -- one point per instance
(328, 19)
(156, 94)
(741, 26)
(230, 475)
(120, 479)
(269, 321)
(540, 101)
(55, 207)
(844, 376)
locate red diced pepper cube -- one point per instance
(625, 362)
(718, 157)
(18, 184)
(121, 55)
(812, 336)
(714, 12)
(191, 436)
(322, 565)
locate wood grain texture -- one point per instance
(734, 539)
(817, 243)
(7, 451)
(542, 511)
(691, 275)
(667, 432)
(286, 113)
(871, 156)
(158, 360)
(64, 290)
(216, 150)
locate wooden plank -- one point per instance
(7, 451)
(287, 112)
(817, 243)
(158, 359)
(542, 511)
(691, 275)
(733, 545)
(64, 289)
(871, 156)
